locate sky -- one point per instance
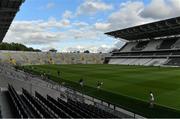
(79, 25)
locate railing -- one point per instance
(100, 103)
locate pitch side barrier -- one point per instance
(122, 103)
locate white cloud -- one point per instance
(90, 7)
(160, 9)
(93, 49)
(127, 15)
(83, 35)
(67, 15)
(175, 4)
(46, 33)
(156, 9)
(52, 22)
(102, 26)
(36, 32)
(81, 24)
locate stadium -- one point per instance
(139, 80)
(159, 44)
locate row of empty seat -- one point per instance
(153, 53)
(140, 46)
(168, 44)
(27, 106)
(139, 61)
(177, 44)
(152, 45)
(174, 62)
(129, 46)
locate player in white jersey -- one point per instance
(151, 100)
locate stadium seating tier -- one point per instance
(27, 106)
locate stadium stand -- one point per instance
(35, 58)
(176, 53)
(128, 47)
(148, 46)
(177, 44)
(25, 105)
(152, 46)
(167, 43)
(140, 46)
(174, 61)
(156, 62)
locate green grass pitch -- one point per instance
(132, 81)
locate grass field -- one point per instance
(123, 84)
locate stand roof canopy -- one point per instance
(8, 10)
(168, 27)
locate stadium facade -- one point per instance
(152, 44)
